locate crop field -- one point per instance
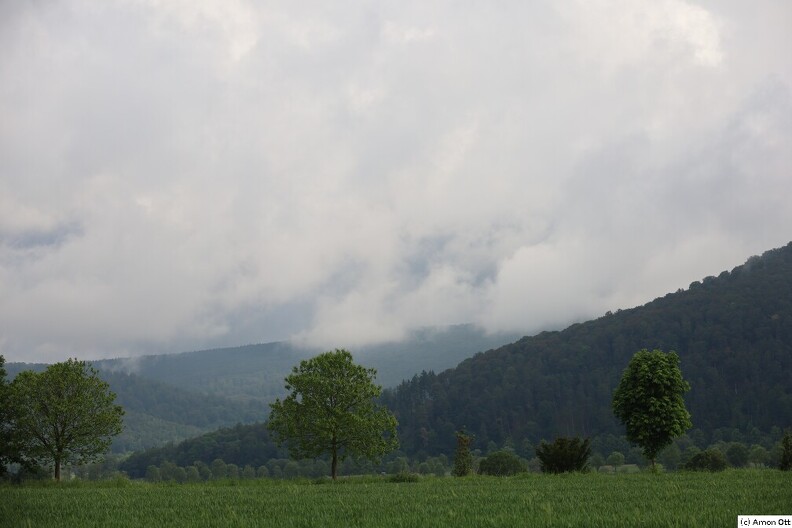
(672, 499)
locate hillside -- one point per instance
(256, 372)
(733, 334)
(168, 398)
(157, 413)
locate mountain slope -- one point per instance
(168, 398)
(256, 372)
(733, 334)
(157, 413)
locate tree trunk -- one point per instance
(334, 466)
(57, 469)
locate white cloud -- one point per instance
(176, 175)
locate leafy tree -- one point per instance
(757, 455)
(463, 460)
(331, 409)
(564, 454)
(219, 469)
(65, 414)
(153, 474)
(737, 455)
(707, 460)
(192, 474)
(649, 402)
(616, 459)
(203, 470)
(501, 464)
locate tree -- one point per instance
(707, 460)
(63, 415)
(501, 464)
(331, 409)
(616, 459)
(737, 454)
(564, 454)
(649, 402)
(463, 460)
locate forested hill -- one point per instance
(733, 334)
(256, 372)
(156, 413)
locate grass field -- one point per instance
(672, 499)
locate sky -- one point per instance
(186, 174)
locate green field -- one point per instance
(672, 499)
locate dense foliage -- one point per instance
(708, 460)
(63, 415)
(649, 401)
(501, 464)
(564, 455)
(331, 409)
(241, 445)
(733, 334)
(463, 459)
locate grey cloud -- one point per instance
(181, 175)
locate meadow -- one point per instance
(589, 499)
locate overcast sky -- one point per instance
(178, 175)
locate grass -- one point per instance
(671, 499)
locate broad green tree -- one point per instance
(64, 415)
(649, 401)
(331, 409)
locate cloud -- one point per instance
(182, 175)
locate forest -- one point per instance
(733, 333)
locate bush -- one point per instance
(708, 460)
(502, 464)
(404, 476)
(564, 454)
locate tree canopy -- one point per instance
(65, 414)
(331, 409)
(649, 401)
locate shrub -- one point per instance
(501, 464)
(404, 476)
(707, 460)
(564, 454)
